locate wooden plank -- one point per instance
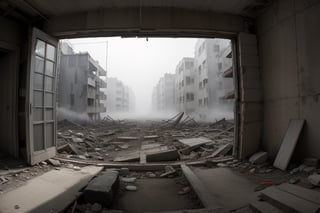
(288, 144)
(307, 194)
(287, 201)
(264, 207)
(207, 199)
(194, 142)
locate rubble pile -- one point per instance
(181, 138)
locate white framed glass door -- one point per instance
(42, 97)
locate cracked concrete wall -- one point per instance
(288, 37)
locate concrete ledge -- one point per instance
(207, 199)
(136, 166)
(50, 192)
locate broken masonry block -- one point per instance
(259, 158)
(314, 179)
(102, 188)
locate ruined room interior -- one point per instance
(271, 164)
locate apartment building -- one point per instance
(185, 86)
(120, 97)
(211, 85)
(79, 86)
(164, 94)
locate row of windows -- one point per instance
(203, 101)
(189, 97)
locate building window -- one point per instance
(90, 102)
(200, 102)
(204, 64)
(205, 82)
(219, 66)
(76, 76)
(72, 100)
(188, 80)
(200, 85)
(205, 101)
(199, 70)
(190, 97)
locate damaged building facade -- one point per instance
(275, 46)
(164, 94)
(185, 86)
(201, 89)
(80, 94)
(120, 97)
(211, 85)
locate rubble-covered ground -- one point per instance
(122, 143)
(109, 141)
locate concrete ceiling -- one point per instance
(50, 8)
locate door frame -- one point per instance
(34, 157)
(13, 52)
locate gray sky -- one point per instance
(137, 62)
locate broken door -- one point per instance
(42, 104)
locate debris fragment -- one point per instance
(131, 188)
(184, 190)
(314, 179)
(54, 162)
(129, 179)
(259, 158)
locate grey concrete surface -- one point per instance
(52, 191)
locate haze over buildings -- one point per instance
(137, 62)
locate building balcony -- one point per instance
(101, 95)
(228, 73)
(91, 82)
(229, 95)
(101, 83)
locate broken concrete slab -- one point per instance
(130, 157)
(222, 150)
(102, 188)
(163, 153)
(287, 201)
(264, 207)
(259, 158)
(51, 192)
(288, 144)
(207, 199)
(195, 142)
(306, 194)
